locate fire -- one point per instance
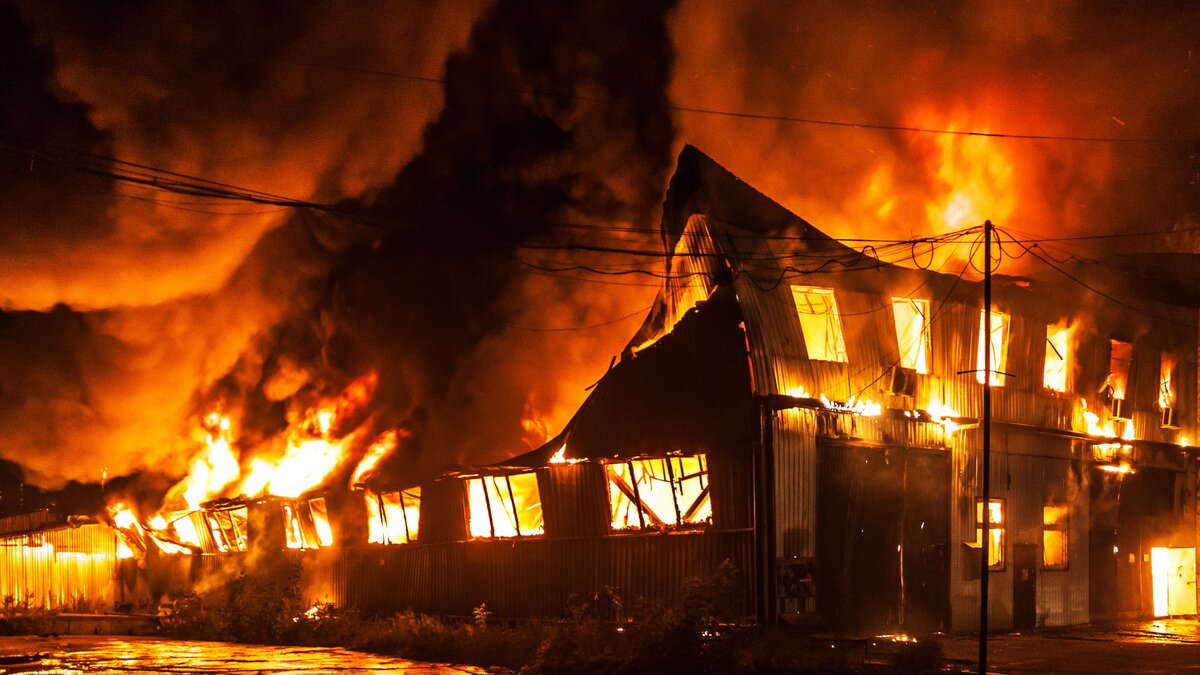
(560, 457)
(124, 518)
(854, 405)
(535, 427)
(1106, 430)
(301, 458)
(505, 506)
(943, 415)
(213, 468)
(312, 448)
(304, 466)
(799, 392)
(381, 448)
(1166, 388)
(1058, 350)
(974, 176)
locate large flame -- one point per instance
(300, 458)
(974, 177)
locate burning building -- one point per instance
(795, 406)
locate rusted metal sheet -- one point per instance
(69, 568)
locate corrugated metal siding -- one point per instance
(695, 269)
(574, 499)
(1027, 471)
(522, 577)
(443, 511)
(61, 569)
(795, 444)
(26, 522)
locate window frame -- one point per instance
(647, 517)
(832, 325)
(506, 499)
(924, 348)
(1002, 559)
(407, 498)
(1062, 526)
(1000, 361)
(1065, 357)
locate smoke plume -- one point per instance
(1067, 69)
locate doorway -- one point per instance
(1173, 573)
(1025, 558)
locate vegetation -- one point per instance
(600, 633)
(21, 618)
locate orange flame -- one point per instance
(297, 460)
(1166, 387)
(381, 448)
(214, 467)
(974, 177)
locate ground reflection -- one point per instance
(102, 654)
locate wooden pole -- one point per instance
(985, 545)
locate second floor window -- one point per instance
(1058, 354)
(996, 344)
(820, 323)
(912, 332)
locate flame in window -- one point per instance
(997, 344)
(820, 323)
(1166, 385)
(1058, 357)
(912, 332)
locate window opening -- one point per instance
(662, 492)
(912, 332)
(997, 343)
(505, 506)
(1055, 536)
(995, 538)
(820, 323)
(1058, 345)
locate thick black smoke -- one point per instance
(550, 116)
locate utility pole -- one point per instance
(985, 545)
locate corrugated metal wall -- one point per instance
(532, 577)
(574, 500)
(1028, 471)
(61, 569)
(796, 484)
(536, 577)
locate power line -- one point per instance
(1032, 251)
(848, 124)
(589, 327)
